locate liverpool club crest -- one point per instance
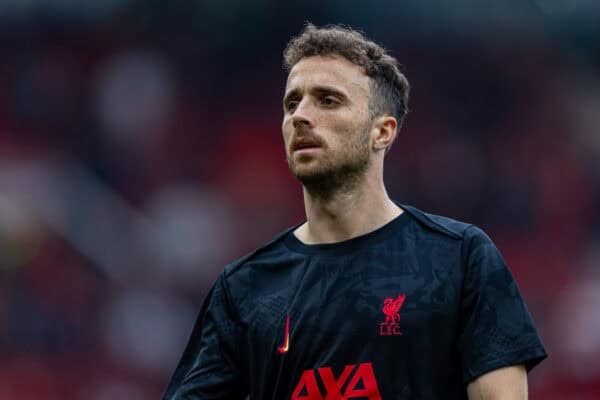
(391, 309)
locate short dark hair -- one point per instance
(389, 87)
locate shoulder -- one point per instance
(443, 225)
(269, 252)
(475, 249)
(468, 235)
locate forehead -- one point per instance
(334, 71)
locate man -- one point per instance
(367, 299)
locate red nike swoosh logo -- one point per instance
(286, 342)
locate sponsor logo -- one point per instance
(391, 309)
(355, 382)
(286, 339)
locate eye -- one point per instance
(291, 105)
(329, 101)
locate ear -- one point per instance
(385, 129)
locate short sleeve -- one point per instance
(209, 367)
(497, 329)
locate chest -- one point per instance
(368, 301)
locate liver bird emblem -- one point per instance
(391, 307)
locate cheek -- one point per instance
(332, 126)
(286, 130)
(345, 127)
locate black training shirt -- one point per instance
(414, 310)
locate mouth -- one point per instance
(304, 146)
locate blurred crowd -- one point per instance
(140, 152)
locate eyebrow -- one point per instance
(322, 89)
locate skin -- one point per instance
(508, 383)
(326, 104)
(327, 101)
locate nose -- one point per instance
(300, 121)
(302, 114)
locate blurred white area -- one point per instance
(193, 231)
(134, 97)
(144, 329)
(184, 235)
(71, 201)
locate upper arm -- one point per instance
(496, 329)
(209, 367)
(509, 383)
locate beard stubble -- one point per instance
(341, 169)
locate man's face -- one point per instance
(326, 119)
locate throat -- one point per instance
(344, 215)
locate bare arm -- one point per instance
(508, 383)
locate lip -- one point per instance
(305, 145)
(306, 149)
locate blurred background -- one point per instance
(140, 152)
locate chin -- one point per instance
(307, 172)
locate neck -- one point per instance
(346, 211)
